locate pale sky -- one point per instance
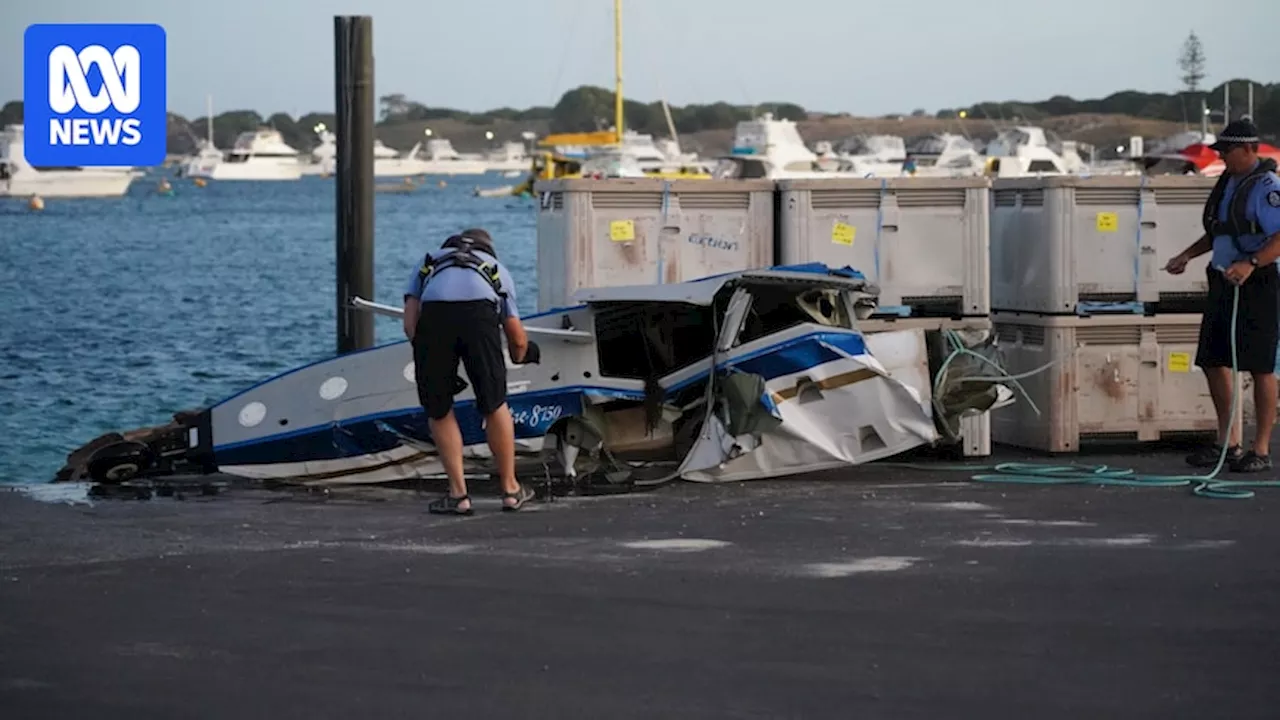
(832, 55)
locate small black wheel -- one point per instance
(120, 462)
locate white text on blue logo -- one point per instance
(69, 90)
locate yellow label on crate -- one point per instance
(622, 231)
(1179, 362)
(1108, 222)
(843, 233)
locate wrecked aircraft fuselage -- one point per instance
(743, 375)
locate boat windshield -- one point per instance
(739, 168)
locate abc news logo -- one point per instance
(121, 90)
(94, 94)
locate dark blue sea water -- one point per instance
(117, 313)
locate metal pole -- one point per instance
(1226, 103)
(1250, 100)
(617, 68)
(353, 75)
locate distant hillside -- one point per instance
(1103, 122)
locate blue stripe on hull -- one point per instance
(533, 412)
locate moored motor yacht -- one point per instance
(18, 178)
(257, 155)
(773, 149)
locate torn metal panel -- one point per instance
(844, 412)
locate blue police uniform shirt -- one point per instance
(1263, 208)
(459, 284)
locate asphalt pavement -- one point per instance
(869, 593)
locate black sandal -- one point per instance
(1207, 457)
(448, 505)
(521, 496)
(1251, 462)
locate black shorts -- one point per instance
(451, 331)
(1257, 324)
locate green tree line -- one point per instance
(590, 108)
(1176, 107)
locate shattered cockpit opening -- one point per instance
(651, 340)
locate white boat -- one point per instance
(323, 160)
(203, 162)
(743, 395)
(389, 163)
(493, 192)
(873, 155)
(19, 179)
(657, 156)
(1179, 142)
(944, 155)
(442, 159)
(207, 154)
(510, 158)
(258, 155)
(1025, 150)
(613, 162)
(773, 149)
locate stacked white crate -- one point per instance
(1077, 278)
(923, 241)
(637, 231)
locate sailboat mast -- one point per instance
(671, 124)
(208, 118)
(617, 67)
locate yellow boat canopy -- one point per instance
(603, 137)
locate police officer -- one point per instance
(453, 307)
(1242, 231)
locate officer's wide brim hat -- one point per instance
(1239, 132)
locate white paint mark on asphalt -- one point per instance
(1047, 523)
(1207, 545)
(994, 542)
(863, 565)
(676, 544)
(965, 505)
(1128, 541)
(424, 548)
(1116, 542)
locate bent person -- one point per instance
(456, 307)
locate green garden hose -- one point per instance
(1073, 474)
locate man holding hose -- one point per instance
(1242, 231)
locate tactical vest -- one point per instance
(462, 253)
(1237, 223)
